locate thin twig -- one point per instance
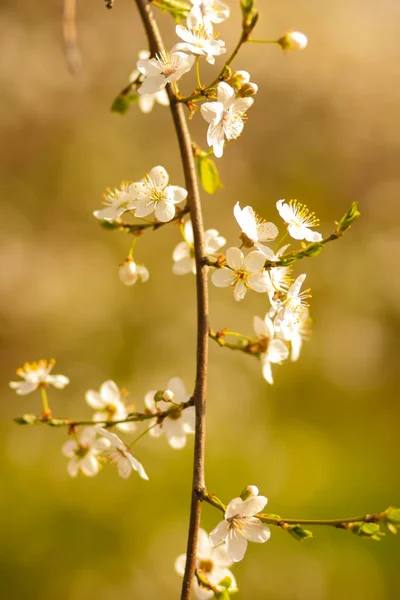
(199, 394)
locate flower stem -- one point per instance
(45, 401)
(263, 41)
(199, 85)
(200, 388)
(131, 249)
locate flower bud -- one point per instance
(249, 492)
(128, 272)
(168, 396)
(248, 89)
(294, 40)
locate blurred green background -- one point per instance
(323, 441)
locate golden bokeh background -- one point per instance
(323, 441)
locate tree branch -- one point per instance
(199, 395)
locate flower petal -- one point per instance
(225, 94)
(234, 258)
(89, 465)
(165, 211)
(252, 506)
(176, 194)
(239, 291)
(223, 277)
(212, 111)
(256, 531)
(110, 392)
(237, 545)
(159, 177)
(95, 400)
(254, 261)
(219, 533)
(277, 351)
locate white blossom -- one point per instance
(117, 202)
(153, 194)
(197, 40)
(295, 331)
(119, 455)
(274, 351)
(299, 220)
(179, 423)
(254, 229)
(278, 278)
(208, 12)
(164, 68)
(84, 452)
(183, 254)
(130, 272)
(291, 308)
(147, 101)
(240, 80)
(213, 563)
(240, 525)
(294, 40)
(109, 406)
(225, 117)
(242, 273)
(37, 374)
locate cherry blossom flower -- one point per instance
(294, 40)
(153, 194)
(197, 39)
(273, 351)
(183, 254)
(109, 406)
(254, 229)
(178, 424)
(299, 220)
(225, 117)
(240, 525)
(295, 331)
(164, 68)
(278, 278)
(212, 562)
(84, 452)
(147, 101)
(208, 12)
(291, 308)
(117, 202)
(119, 455)
(130, 272)
(242, 273)
(37, 374)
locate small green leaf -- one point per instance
(348, 219)
(179, 9)
(299, 533)
(369, 530)
(122, 102)
(208, 174)
(393, 515)
(26, 420)
(313, 249)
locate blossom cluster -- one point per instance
(226, 544)
(95, 444)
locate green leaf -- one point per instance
(208, 174)
(313, 249)
(369, 530)
(393, 515)
(179, 9)
(299, 533)
(348, 219)
(26, 420)
(122, 102)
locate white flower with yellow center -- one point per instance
(198, 40)
(273, 351)
(213, 564)
(242, 273)
(294, 305)
(254, 229)
(164, 68)
(299, 220)
(226, 117)
(179, 423)
(279, 278)
(147, 101)
(183, 254)
(118, 454)
(153, 194)
(109, 406)
(37, 374)
(116, 202)
(130, 272)
(241, 525)
(208, 12)
(84, 452)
